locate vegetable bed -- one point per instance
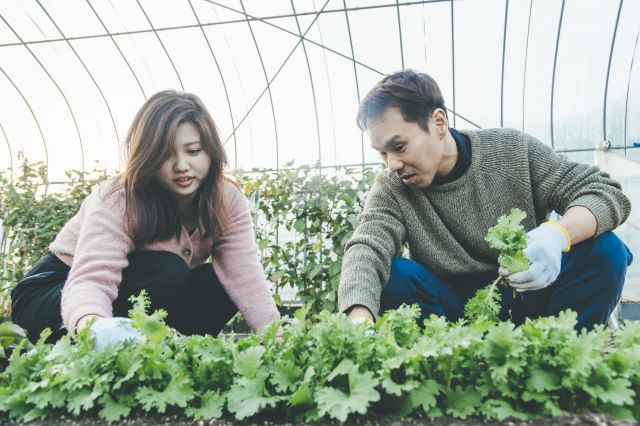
(325, 368)
(576, 420)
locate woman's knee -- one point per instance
(162, 274)
(36, 310)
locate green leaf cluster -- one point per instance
(324, 367)
(10, 336)
(32, 212)
(510, 239)
(303, 218)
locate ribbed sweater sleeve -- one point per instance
(368, 253)
(558, 184)
(237, 265)
(100, 256)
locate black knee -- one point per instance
(161, 274)
(205, 305)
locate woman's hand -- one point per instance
(110, 331)
(82, 323)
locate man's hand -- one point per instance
(109, 331)
(357, 312)
(545, 245)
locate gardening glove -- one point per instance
(110, 331)
(369, 331)
(545, 245)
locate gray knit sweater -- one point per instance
(445, 225)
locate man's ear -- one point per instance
(440, 120)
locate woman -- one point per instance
(153, 227)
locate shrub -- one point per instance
(32, 214)
(302, 221)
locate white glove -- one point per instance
(545, 245)
(369, 331)
(110, 331)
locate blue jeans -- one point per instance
(590, 283)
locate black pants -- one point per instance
(194, 299)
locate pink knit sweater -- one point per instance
(95, 244)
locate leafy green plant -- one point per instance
(303, 220)
(32, 214)
(326, 367)
(10, 335)
(510, 239)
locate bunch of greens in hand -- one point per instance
(510, 239)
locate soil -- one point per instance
(576, 420)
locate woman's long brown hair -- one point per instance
(152, 213)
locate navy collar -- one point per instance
(462, 162)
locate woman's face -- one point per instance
(187, 165)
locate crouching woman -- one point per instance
(153, 227)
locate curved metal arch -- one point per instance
(266, 79)
(113, 121)
(326, 68)
(224, 84)
(453, 64)
(281, 66)
(232, 21)
(44, 142)
(73, 117)
(526, 57)
(235, 67)
(266, 22)
(10, 152)
(424, 35)
(606, 85)
(135, 76)
(355, 73)
(400, 33)
(161, 44)
(325, 48)
(313, 89)
(504, 49)
(553, 79)
(626, 102)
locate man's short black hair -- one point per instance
(416, 94)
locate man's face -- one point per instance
(414, 155)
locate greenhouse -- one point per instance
(313, 211)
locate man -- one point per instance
(443, 189)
